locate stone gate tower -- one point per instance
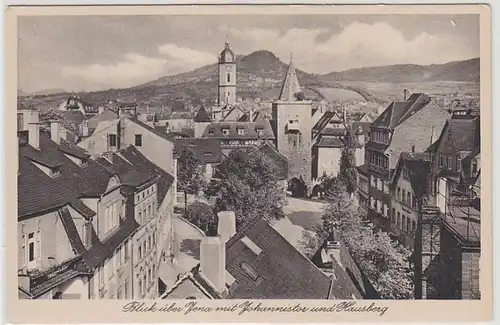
(227, 77)
(292, 115)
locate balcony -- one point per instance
(39, 282)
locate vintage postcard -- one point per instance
(249, 163)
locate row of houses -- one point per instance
(96, 221)
(89, 227)
(421, 183)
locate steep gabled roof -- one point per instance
(202, 116)
(279, 271)
(207, 150)
(290, 85)
(214, 130)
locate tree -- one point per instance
(348, 170)
(382, 260)
(246, 183)
(299, 96)
(200, 214)
(189, 173)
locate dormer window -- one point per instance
(55, 172)
(260, 132)
(241, 131)
(210, 131)
(225, 131)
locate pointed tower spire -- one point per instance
(291, 84)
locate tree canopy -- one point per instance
(246, 183)
(348, 171)
(384, 261)
(189, 173)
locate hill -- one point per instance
(257, 74)
(467, 71)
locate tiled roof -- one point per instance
(417, 130)
(202, 116)
(418, 169)
(323, 121)
(465, 133)
(329, 142)
(82, 208)
(73, 150)
(281, 272)
(107, 115)
(71, 231)
(207, 150)
(214, 130)
(290, 85)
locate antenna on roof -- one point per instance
(227, 40)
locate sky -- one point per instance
(83, 53)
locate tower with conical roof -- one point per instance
(227, 77)
(292, 116)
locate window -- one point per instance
(149, 276)
(260, 132)
(154, 272)
(403, 225)
(228, 77)
(112, 140)
(241, 131)
(144, 283)
(141, 289)
(149, 243)
(140, 251)
(403, 197)
(149, 211)
(413, 201)
(414, 229)
(398, 196)
(100, 273)
(138, 140)
(144, 247)
(210, 131)
(125, 289)
(125, 248)
(399, 220)
(225, 131)
(408, 198)
(408, 225)
(440, 159)
(20, 121)
(458, 162)
(140, 216)
(375, 182)
(31, 249)
(119, 293)
(393, 216)
(154, 238)
(118, 257)
(449, 162)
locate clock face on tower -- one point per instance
(228, 68)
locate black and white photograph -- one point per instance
(267, 157)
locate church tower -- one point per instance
(292, 115)
(227, 77)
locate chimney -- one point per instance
(55, 134)
(34, 135)
(226, 227)
(213, 262)
(405, 94)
